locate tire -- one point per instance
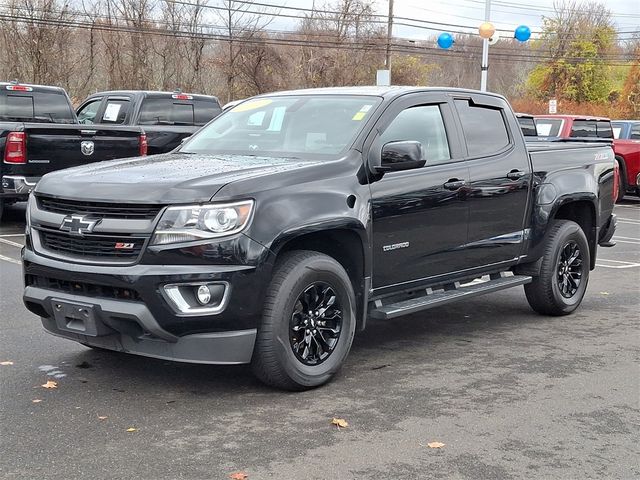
(299, 277)
(547, 293)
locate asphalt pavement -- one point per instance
(511, 395)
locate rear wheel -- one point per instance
(308, 322)
(564, 274)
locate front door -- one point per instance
(420, 216)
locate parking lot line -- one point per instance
(622, 263)
(12, 235)
(9, 259)
(9, 242)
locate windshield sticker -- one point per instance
(361, 113)
(111, 112)
(251, 105)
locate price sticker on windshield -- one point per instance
(360, 114)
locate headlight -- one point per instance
(199, 222)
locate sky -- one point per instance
(505, 14)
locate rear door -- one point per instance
(420, 216)
(500, 180)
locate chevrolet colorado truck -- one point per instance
(166, 117)
(39, 133)
(274, 233)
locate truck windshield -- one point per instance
(41, 107)
(286, 126)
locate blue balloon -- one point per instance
(445, 40)
(522, 33)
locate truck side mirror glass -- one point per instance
(403, 155)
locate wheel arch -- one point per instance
(583, 212)
(346, 246)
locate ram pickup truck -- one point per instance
(39, 133)
(274, 233)
(627, 148)
(166, 117)
(583, 127)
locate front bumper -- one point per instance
(130, 327)
(124, 308)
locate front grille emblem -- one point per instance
(78, 225)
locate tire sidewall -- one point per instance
(572, 232)
(316, 270)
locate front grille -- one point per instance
(81, 288)
(92, 246)
(98, 209)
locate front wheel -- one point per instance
(563, 278)
(308, 322)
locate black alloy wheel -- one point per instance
(570, 266)
(316, 323)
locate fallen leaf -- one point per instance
(36, 400)
(101, 417)
(604, 293)
(50, 384)
(339, 422)
(435, 444)
(6, 363)
(132, 429)
(238, 476)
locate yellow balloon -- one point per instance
(486, 30)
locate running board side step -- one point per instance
(448, 294)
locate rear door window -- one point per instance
(115, 111)
(484, 128)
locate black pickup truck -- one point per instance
(276, 231)
(39, 133)
(166, 117)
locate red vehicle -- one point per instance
(626, 145)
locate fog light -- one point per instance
(203, 295)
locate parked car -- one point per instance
(627, 146)
(39, 133)
(577, 126)
(167, 117)
(276, 231)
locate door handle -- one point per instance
(515, 174)
(454, 184)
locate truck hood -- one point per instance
(167, 178)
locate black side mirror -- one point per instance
(403, 155)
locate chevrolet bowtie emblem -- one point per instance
(78, 225)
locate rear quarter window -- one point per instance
(484, 128)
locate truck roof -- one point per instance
(151, 92)
(40, 88)
(385, 92)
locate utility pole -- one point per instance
(485, 50)
(387, 60)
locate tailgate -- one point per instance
(54, 147)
